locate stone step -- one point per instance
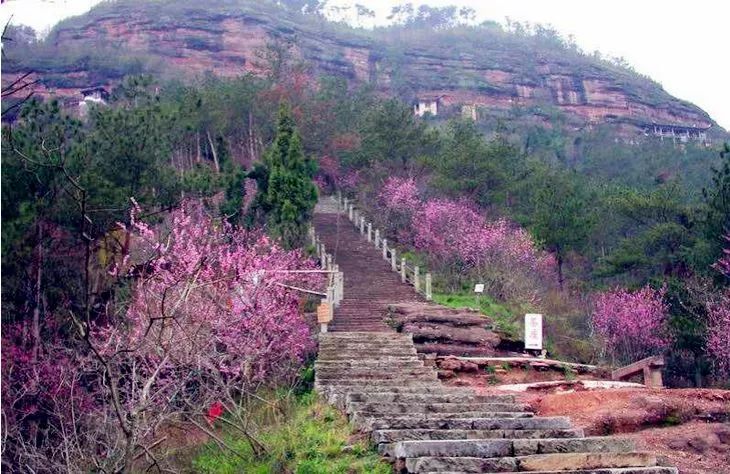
(386, 440)
(539, 462)
(615, 470)
(461, 420)
(431, 408)
(357, 335)
(393, 362)
(488, 448)
(395, 436)
(376, 377)
(498, 421)
(352, 352)
(428, 398)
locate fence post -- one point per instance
(377, 238)
(370, 231)
(344, 207)
(385, 249)
(429, 294)
(362, 225)
(350, 214)
(393, 264)
(403, 269)
(416, 279)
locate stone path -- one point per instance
(375, 376)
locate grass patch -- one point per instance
(503, 317)
(311, 438)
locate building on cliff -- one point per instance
(427, 104)
(682, 133)
(94, 95)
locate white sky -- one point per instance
(683, 44)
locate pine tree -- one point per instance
(287, 192)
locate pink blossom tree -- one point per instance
(399, 202)
(210, 318)
(718, 332)
(632, 325)
(502, 255)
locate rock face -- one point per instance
(445, 331)
(495, 72)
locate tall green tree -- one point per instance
(562, 214)
(287, 194)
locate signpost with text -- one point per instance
(533, 331)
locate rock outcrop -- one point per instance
(494, 72)
(445, 331)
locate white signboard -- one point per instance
(533, 331)
(479, 288)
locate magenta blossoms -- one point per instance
(211, 298)
(718, 332)
(632, 324)
(503, 255)
(723, 263)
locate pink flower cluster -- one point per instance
(723, 263)
(400, 195)
(632, 324)
(718, 332)
(455, 232)
(212, 297)
(456, 236)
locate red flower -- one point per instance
(214, 412)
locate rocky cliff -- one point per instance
(483, 66)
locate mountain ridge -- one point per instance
(483, 66)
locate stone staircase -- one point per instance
(376, 377)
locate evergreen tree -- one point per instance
(287, 194)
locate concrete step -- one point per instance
(431, 408)
(540, 462)
(487, 448)
(428, 398)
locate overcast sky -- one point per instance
(684, 45)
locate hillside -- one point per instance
(485, 65)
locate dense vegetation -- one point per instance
(169, 214)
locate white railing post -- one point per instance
(429, 294)
(350, 214)
(416, 279)
(362, 225)
(385, 249)
(393, 264)
(377, 238)
(344, 207)
(403, 269)
(370, 231)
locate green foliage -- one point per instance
(310, 438)
(287, 192)
(392, 136)
(469, 166)
(504, 318)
